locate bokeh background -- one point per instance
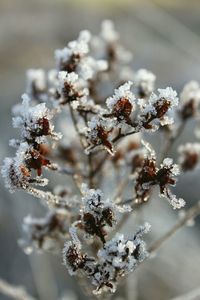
(164, 36)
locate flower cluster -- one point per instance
(153, 113)
(104, 110)
(75, 58)
(25, 169)
(117, 258)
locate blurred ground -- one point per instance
(165, 38)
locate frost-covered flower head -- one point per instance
(71, 88)
(16, 170)
(122, 102)
(13, 174)
(156, 112)
(145, 82)
(190, 99)
(74, 52)
(73, 257)
(34, 121)
(99, 133)
(163, 176)
(98, 212)
(36, 83)
(75, 58)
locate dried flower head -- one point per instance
(156, 112)
(99, 132)
(163, 176)
(98, 212)
(121, 104)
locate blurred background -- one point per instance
(164, 36)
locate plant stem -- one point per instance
(192, 213)
(14, 292)
(90, 175)
(171, 141)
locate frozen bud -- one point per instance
(34, 121)
(150, 175)
(166, 176)
(69, 57)
(71, 87)
(108, 32)
(75, 58)
(121, 103)
(157, 111)
(145, 82)
(73, 257)
(15, 174)
(189, 156)
(190, 99)
(36, 83)
(145, 179)
(17, 170)
(98, 212)
(14, 171)
(35, 160)
(99, 133)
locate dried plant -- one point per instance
(105, 112)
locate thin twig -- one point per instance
(121, 188)
(170, 142)
(192, 295)
(190, 214)
(90, 175)
(14, 292)
(76, 125)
